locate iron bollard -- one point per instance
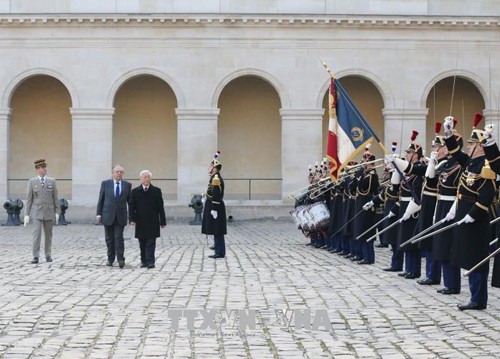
(10, 206)
(63, 204)
(197, 205)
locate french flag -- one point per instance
(348, 130)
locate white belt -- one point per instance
(405, 199)
(427, 193)
(446, 198)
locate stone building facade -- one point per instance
(163, 85)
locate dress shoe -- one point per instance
(348, 256)
(143, 265)
(449, 291)
(109, 263)
(215, 256)
(411, 276)
(355, 259)
(151, 265)
(48, 259)
(471, 305)
(35, 260)
(391, 269)
(403, 274)
(121, 264)
(426, 281)
(364, 261)
(441, 290)
(211, 247)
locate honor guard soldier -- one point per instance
(492, 154)
(476, 192)
(448, 179)
(389, 196)
(348, 230)
(367, 187)
(214, 214)
(410, 199)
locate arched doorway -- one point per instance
(249, 138)
(40, 127)
(466, 101)
(145, 132)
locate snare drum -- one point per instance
(320, 215)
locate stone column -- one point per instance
(400, 122)
(92, 152)
(301, 136)
(5, 114)
(196, 144)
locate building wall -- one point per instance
(193, 58)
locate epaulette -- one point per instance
(487, 172)
(216, 180)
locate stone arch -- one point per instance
(274, 82)
(15, 82)
(179, 95)
(467, 75)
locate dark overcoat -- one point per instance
(147, 211)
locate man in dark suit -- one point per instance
(214, 213)
(112, 213)
(147, 213)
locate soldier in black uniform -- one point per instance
(492, 154)
(367, 187)
(214, 213)
(476, 192)
(410, 199)
(448, 171)
(389, 196)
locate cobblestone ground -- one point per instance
(77, 307)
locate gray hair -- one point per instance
(145, 173)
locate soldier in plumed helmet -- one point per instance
(471, 212)
(214, 214)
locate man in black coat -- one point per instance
(112, 212)
(214, 213)
(147, 213)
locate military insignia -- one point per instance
(471, 177)
(357, 134)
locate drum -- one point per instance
(295, 217)
(307, 219)
(320, 215)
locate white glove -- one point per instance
(203, 198)
(450, 216)
(389, 160)
(57, 218)
(391, 214)
(466, 219)
(395, 177)
(26, 220)
(489, 140)
(410, 210)
(448, 125)
(401, 164)
(214, 214)
(430, 172)
(368, 205)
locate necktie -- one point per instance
(117, 190)
(145, 189)
(43, 181)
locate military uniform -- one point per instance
(470, 245)
(42, 205)
(215, 202)
(367, 187)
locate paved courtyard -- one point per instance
(272, 297)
